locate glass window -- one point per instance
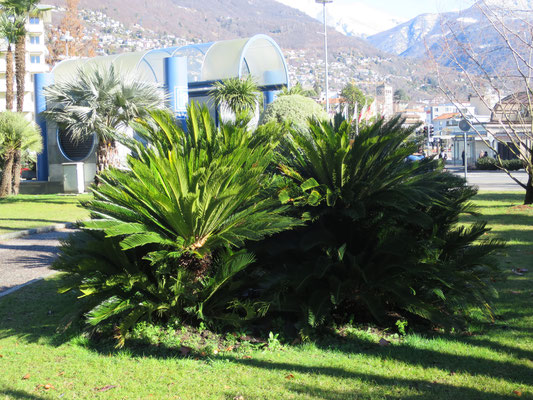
(35, 39)
(34, 20)
(35, 59)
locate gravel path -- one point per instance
(28, 258)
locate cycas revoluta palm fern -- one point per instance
(101, 101)
(179, 215)
(381, 236)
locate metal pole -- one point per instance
(356, 111)
(326, 60)
(466, 157)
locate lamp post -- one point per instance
(66, 38)
(324, 2)
(464, 125)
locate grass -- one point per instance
(33, 211)
(494, 361)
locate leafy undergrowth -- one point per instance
(490, 361)
(33, 211)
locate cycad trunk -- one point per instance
(17, 166)
(7, 174)
(9, 78)
(106, 156)
(20, 65)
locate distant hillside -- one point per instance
(300, 36)
(209, 20)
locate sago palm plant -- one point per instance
(381, 238)
(177, 219)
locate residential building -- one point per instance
(384, 99)
(35, 58)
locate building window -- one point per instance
(35, 39)
(35, 59)
(34, 20)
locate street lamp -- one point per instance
(66, 38)
(324, 2)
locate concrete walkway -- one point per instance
(491, 180)
(27, 259)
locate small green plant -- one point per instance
(273, 341)
(401, 325)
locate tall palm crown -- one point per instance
(237, 94)
(17, 135)
(100, 101)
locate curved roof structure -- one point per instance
(258, 56)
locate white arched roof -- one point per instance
(258, 56)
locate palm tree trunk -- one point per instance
(9, 78)
(106, 156)
(20, 65)
(17, 165)
(7, 175)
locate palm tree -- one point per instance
(11, 27)
(239, 95)
(17, 135)
(101, 101)
(20, 9)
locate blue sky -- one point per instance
(411, 8)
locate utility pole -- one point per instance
(324, 2)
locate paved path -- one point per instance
(491, 180)
(28, 258)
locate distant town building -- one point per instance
(35, 55)
(384, 99)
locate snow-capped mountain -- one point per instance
(414, 37)
(469, 28)
(348, 17)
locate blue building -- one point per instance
(187, 73)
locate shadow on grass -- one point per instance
(35, 313)
(422, 389)
(17, 394)
(39, 311)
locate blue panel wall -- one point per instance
(176, 85)
(41, 81)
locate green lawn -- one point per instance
(33, 211)
(494, 361)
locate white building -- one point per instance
(384, 99)
(35, 59)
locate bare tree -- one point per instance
(499, 62)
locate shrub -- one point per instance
(165, 235)
(293, 108)
(513, 165)
(489, 163)
(381, 236)
(486, 164)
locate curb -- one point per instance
(15, 288)
(34, 231)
